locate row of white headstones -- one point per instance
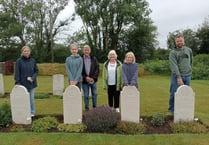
(72, 103)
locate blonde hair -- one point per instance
(112, 52)
(73, 45)
(130, 54)
(24, 47)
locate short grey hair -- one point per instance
(87, 46)
(112, 52)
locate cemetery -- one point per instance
(73, 118)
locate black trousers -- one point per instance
(113, 96)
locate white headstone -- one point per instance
(72, 105)
(20, 105)
(58, 84)
(1, 85)
(184, 104)
(130, 98)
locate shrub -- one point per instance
(5, 115)
(158, 120)
(71, 128)
(44, 124)
(17, 128)
(124, 127)
(157, 66)
(101, 119)
(188, 127)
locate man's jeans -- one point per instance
(32, 106)
(86, 88)
(173, 88)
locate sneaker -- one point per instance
(117, 110)
(32, 115)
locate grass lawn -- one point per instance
(101, 139)
(154, 92)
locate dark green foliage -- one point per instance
(158, 120)
(124, 127)
(5, 115)
(119, 25)
(71, 128)
(101, 119)
(44, 124)
(188, 127)
(201, 67)
(157, 67)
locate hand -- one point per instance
(88, 79)
(180, 81)
(29, 79)
(73, 82)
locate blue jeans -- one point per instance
(173, 88)
(93, 93)
(32, 106)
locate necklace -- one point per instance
(112, 64)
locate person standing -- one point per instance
(74, 66)
(90, 75)
(112, 79)
(26, 72)
(180, 59)
(130, 70)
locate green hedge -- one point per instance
(160, 67)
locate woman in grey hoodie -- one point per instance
(74, 66)
(130, 70)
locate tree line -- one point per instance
(122, 25)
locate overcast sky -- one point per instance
(171, 15)
(168, 16)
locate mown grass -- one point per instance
(101, 139)
(154, 92)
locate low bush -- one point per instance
(124, 127)
(101, 119)
(17, 128)
(76, 128)
(5, 115)
(158, 120)
(157, 67)
(44, 124)
(188, 127)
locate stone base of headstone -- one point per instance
(58, 84)
(130, 99)
(184, 104)
(1, 84)
(72, 105)
(20, 105)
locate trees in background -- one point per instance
(31, 22)
(198, 40)
(118, 24)
(203, 35)
(108, 24)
